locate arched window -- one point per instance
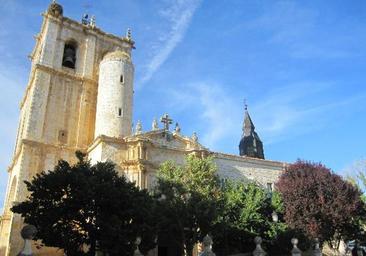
(69, 58)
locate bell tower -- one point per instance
(58, 110)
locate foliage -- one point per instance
(84, 205)
(358, 177)
(246, 212)
(187, 200)
(320, 203)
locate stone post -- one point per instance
(28, 232)
(137, 251)
(207, 246)
(317, 251)
(295, 251)
(258, 248)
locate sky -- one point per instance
(300, 65)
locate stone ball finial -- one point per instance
(177, 128)
(258, 248)
(137, 252)
(207, 241)
(155, 125)
(257, 240)
(138, 129)
(28, 232)
(55, 9)
(295, 251)
(294, 241)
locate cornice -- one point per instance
(34, 143)
(252, 160)
(73, 24)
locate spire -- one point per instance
(250, 143)
(248, 126)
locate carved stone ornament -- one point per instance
(28, 232)
(194, 137)
(55, 9)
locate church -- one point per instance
(80, 97)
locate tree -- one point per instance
(246, 211)
(320, 203)
(88, 206)
(358, 177)
(187, 200)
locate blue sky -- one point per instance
(301, 65)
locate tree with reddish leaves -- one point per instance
(320, 203)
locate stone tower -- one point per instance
(250, 143)
(58, 110)
(115, 94)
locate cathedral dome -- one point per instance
(117, 55)
(55, 9)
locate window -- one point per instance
(121, 79)
(119, 112)
(62, 136)
(69, 58)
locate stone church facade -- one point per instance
(80, 97)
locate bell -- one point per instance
(69, 58)
(68, 62)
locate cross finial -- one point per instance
(245, 105)
(166, 121)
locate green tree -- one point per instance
(84, 205)
(187, 199)
(245, 212)
(358, 177)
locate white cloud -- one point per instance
(217, 113)
(179, 15)
(279, 115)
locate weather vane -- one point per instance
(245, 104)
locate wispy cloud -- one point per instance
(305, 34)
(279, 115)
(178, 14)
(217, 112)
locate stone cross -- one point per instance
(166, 121)
(28, 232)
(295, 251)
(258, 248)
